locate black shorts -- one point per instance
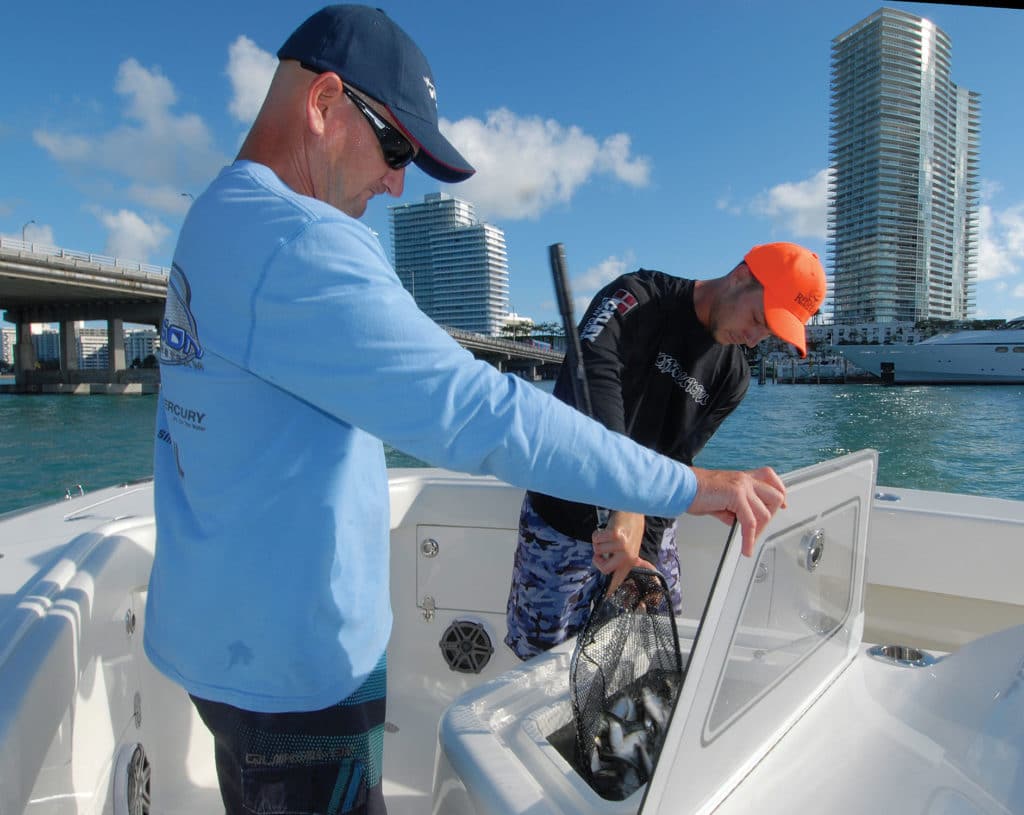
(323, 762)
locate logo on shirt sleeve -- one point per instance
(179, 335)
(621, 303)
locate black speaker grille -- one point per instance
(466, 647)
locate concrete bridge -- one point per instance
(47, 284)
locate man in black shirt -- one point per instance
(665, 367)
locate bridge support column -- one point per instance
(115, 347)
(24, 353)
(68, 349)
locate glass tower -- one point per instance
(903, 197)
(455, 268)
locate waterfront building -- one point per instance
(455, 267)
(903, 199)
(46, 343)
(140, 343)
(8, 338)
(91, 345)
(92, 348)
(899, 332)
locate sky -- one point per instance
(666, 135)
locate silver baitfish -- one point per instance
(630, 739)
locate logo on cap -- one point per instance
(430, 88)
(807, 301)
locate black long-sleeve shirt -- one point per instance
(654, 374)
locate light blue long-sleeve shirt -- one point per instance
(289, 351)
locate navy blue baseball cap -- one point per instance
(367, 49)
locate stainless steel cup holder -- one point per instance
(905, 656)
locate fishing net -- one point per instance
(625, 676)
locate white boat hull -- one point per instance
(960, 359)
(77, 695)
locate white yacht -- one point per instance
(868, 657)
(991, 357)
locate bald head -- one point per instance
(318, 142)
(279, 131)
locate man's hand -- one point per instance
(617, 547)
(751, 497)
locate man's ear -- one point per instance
(741, 276)
(749, 281)
(323, 94)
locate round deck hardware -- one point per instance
(429, 547)
(132, 776)
(905, 656)
(814, 549)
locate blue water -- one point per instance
(956, 439)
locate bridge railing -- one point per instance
(499, 343)
(16, 245)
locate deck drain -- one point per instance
(903, 655)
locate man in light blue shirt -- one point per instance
(269, 599)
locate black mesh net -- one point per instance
(625, 676)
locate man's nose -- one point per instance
(394, 180)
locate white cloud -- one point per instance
(584, 286)
(153, 146)
(163, 198)
(1012, 222)
(614, 158)
(597, 277)
(148, 93)
(62, 147)
(526, 165)
(132, 238)
(36, 233)
(1000, 242)
(800, 207)
(725, 204)
(604, 272)
(250, 70)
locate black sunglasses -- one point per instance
(398, 150)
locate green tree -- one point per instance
(516, 329)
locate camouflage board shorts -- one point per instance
(554, 584)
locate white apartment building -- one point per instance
(903, 198)
(140, 343)
(91, 345)
(876, 333)
(455, 267)
(8, 338)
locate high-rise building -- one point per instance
(903, 202)
(8, 339)
(46, 342)
(455, 267)
(92, 348)
(139, 344)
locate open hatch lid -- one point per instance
(751, 675)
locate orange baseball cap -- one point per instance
(794, 288)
